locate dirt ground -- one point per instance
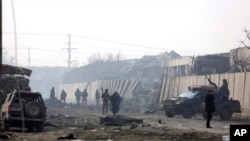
(84, 125)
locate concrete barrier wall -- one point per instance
(238, 83)
(124, 87)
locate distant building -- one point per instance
(200, 65)
(180, 66)
(240, 59)
(211, 64)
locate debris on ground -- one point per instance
(118, 120)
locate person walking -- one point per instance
(209, 107)
(105, 98)
(97, 98)
(115, 101)
(78, 94)
(84, 97)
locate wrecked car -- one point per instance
(23, 109)
(193, 101)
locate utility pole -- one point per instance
(69, 51)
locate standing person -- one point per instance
(97, 98)
(52, 93)
(63, 96)
(84, 97)
(105, 98)
(223, 90)
(115, 101)
(78, 94)
(209, 107)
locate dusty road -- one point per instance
(84, 125)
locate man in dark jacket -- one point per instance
(209, 107)
(223, 90)
(77, 94)
(105, 97)
(84, 97)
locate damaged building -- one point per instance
(240, 59)
(184, 66)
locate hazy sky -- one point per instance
(135, 27)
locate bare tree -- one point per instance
(94, 58)
(110, 58)
(243, 63)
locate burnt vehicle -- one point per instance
(192, 101)
(23, 109)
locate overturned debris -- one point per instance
(119, 120)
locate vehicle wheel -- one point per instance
(169, 114)
(33, 110)
(6, 125)
(39, 127)
(187, 112)
(225, 113)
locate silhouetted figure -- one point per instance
(97, 97)
(52, 93)
(223, 90)
(105, 98)
(63, 96)
(78, 95)
(115, 101)
(209, 107)
(84, 97)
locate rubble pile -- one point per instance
(14, 78)
(144, 102)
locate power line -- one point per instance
(115, 42)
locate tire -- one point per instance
(169, 114)
(39, 127)
(225, 113)
(33, 110)
(6, 125)
(187, 112)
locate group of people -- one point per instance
(223, 93)
(63, 94)
(81, 97)
(113, 101)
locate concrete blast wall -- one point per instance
(238, 83)
(124, 87)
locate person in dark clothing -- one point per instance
(84, 97)
(63, 96)
(52, 93)
(77, 94)
(115, 101)
(105, 97)
(97, 97)
(209, 107)
(223, 90)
